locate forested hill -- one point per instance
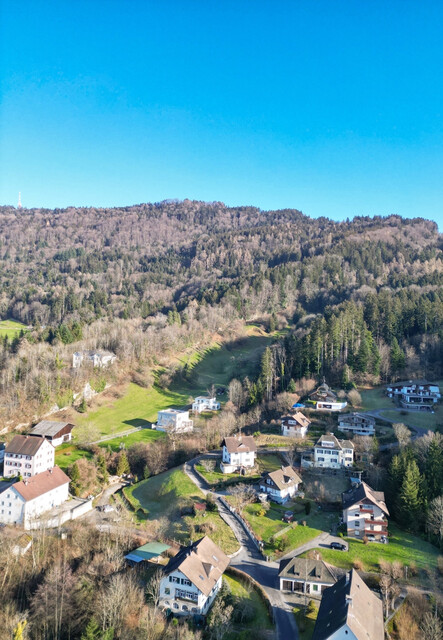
(77, 264)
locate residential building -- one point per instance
(358, 423)
(24, 501)
(281, 485)
(2, 451)
(305, 575)
(193, 578)
(325, 399)
(97, 358)
(26, 456)
(295, 425)
(174, 421)
(202, 403)
(349, 610)
(418, 395)
(333, 453)
(55, 432)
(238, 453)
(365, 512)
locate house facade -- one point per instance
(97, 358)
(305, 575)
(349, 610)
(332, 453)
(202, 403)
(365, 512)
(295, 425)
(415, 396)
(27, 456)
(56, 432)
(281, 485)
(193, 578)
(24, 501)
(325, 399)
(358, 423)
(174, 421)
(238, 452)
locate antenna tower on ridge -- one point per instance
(19, 204)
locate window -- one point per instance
(175, 605)
(167, 591)
(186, 582)
(321, 459)
(174, 579)
(357, 523)
(315, 587)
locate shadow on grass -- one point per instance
(138, 422)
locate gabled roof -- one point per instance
(284, 477)
(49, 428)
(25, 445)
(350, 602)
(239, 444)
(308, 569)
(353, 418)
(299, 418)
(41, 483)
(334, 442)
(322, 393)
(202, 562)
(364, 492)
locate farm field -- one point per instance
(138, 407)
(163, 498)
(403, 547)
(11, 328)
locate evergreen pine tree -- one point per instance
(123, 464)
(362, 357)
(74, 474)
(434, 470)
(397, 357)
(409, 504)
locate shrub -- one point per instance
(365, 540)
(358, 564)
(82, 407)
(303, 523)
(311, 607)
(210, 503)
(261, 512)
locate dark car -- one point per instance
(288, 516)
(338, 545)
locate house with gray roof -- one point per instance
(56, 432)
(307, 575)
(349, 610)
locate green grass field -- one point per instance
(11, 328)
(375, 399)
(265, 464)
(68, 453)
(136, 408)
(426, 420)
(305, 623)
(266, 526)
(164, 496)
(144, 435)
(403, 547)
(248, 595)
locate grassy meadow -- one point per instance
(11, 328)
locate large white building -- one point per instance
(203, 403)
(295, 425)
(193, 578)
(174, 421)
(28, 455)
(415, 396)
(330, 452)
(24, 501)
(238, 453)
(365, 512)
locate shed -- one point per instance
(146, 552)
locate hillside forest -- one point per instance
(359, 301)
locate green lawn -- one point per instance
(164, 496)
(265, 463)
(144, 435)
(247, 594)
(425, 420)
(403, 547)
(137, 407)
(11, 328)
(375, 399)
(271, 523)
(68, 453)
(305, 623)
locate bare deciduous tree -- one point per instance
(402, 433)
(434, 519)
(242, 494)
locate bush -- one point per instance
(311, 607)
(82, 407)
(261, 512)
(210, 503)
(365, 540)
(358, 565)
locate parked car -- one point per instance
(338, 545)
(288, 516)
(371, 537)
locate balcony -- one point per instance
(180, 594)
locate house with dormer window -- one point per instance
(295, 425)
(238, 453)
(365, 513)
(333, 453)
(192, 579)
(26, 456)
(281, 485)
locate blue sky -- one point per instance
(334, 108)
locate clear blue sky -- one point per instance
(334, 108)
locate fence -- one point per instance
(245, 525)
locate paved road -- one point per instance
(249, 560)
(378, 413)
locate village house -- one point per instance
(26, 456)
(364, 513)
(97, 358)
(202, 403)
(333, 453)
(349, 609)
(295, 425)
(193, 578)
(238, 453)
(24, 501)
(358, 423)
(281, 485)
(305, 575)
(2, 451)
(55, 432)
(325, 399)
(418, 395)
(174, 421)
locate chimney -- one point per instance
(349, 600)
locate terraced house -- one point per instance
(365, 513)
(193, 578)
